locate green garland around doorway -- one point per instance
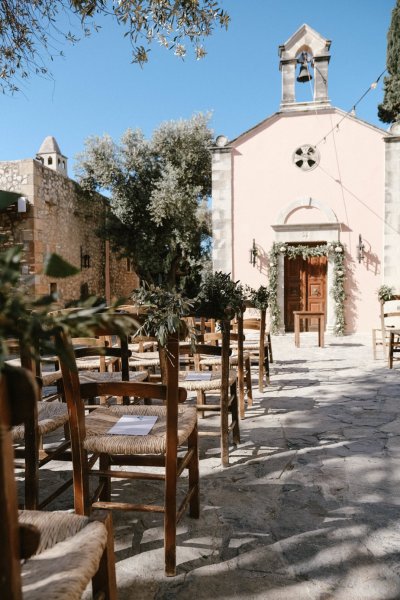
(335, 250)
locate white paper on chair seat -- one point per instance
(133, 425)
(204, 376)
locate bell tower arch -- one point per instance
(310, 50)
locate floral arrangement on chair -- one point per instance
(164, 311)
(258, 298)
(385, 293)
(220, 297)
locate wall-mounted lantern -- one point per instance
(253, 253)
(360, 249)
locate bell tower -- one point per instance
(309, 50)
(50, 155)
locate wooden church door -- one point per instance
(305, 287)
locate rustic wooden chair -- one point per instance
(46, 555)
(389, 318)
(222, 382)
(260, 349)
(255, 313)
(50, 415)
(175, 429)
(95, 362)
(238, 359)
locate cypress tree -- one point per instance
(389, 110)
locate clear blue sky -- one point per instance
(96, 90)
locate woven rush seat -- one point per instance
(89, 376)
(51, 416)
(99, 422)
(144, 359)
(48, 377)
(60, 569)
(91, 363)
(51, 377)
(211, 362)
(214, 383)
(145, 346)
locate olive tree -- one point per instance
(159, 191)
(31, 31)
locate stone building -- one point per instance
(52, 214)
(310, 175)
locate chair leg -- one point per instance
(248, 382)
(194, 505)
(241, 392)
(170, 526)
(104, 583)
(105, 464)
(271, 359)
(31, 465)
(266, 365)
(260, 376)
(374, 343)
(224, 431)
(201, 399)
(235, 414)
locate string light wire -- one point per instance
(371, 87)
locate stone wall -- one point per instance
(17, 176)
(222, 208)
(61, 219)
(66, 222)
(392, 210)
(122, 279)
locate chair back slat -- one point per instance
(18, 397)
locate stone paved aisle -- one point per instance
(309, 508)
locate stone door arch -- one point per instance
(323, 232)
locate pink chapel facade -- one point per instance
(310, 174)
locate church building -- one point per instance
(308, 201)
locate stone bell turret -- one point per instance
(310, 50)
(50, 155)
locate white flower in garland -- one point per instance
(338, 249)
(282, 249)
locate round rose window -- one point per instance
(306, 157)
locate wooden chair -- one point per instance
(144, 349)
(50, 414)
(47, 555)
(175, 428)
(389, 318)
(222, 382)
(260, 349)
(95, 362)
(238, 359)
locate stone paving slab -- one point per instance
(309, 508)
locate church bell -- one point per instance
(304, 74)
